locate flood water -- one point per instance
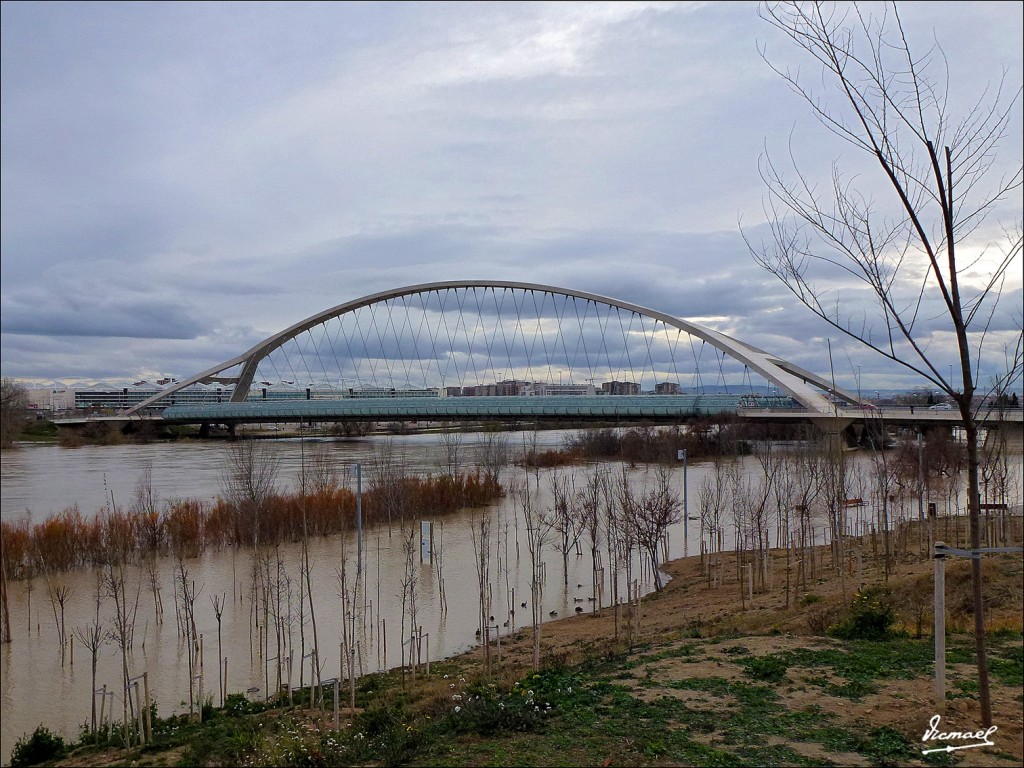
(40, 686)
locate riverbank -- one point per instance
(695, 675)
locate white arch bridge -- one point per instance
(479, 349)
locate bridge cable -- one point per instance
(443, 323)
(696, 359)
(353, 359)
(527, 346)
(499, 326)
(416, 343)
(603, 332)
(672, 350)
(538, 331)
(720, 357)
(323, 336)
(477, 325)
(399, 339)
(627, 372)
(316, 351)
(470, 355)
(367, 360)
(650, 356)
(559, 325)
(332, 340)
(414, 360)
(462, 295)
(581, 341)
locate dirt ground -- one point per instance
(688, 607)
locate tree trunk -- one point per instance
(974, 519)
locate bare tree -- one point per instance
(538, 528)
(480, 532)
(451, 441)
(13, 405)
(125, 612)
(494, 454)
(218, 611)
(567, 520)
(655, 510)
(93, 636)
(590, 498)
(249, 481)
(908, 258)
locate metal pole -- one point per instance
(920, 477)
(359, 520)
(940, 627)
(686, 510)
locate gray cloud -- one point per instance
(180, 181)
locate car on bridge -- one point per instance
(940, 407)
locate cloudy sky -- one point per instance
(180, 181)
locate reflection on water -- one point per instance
(45, 479)
(41, 686)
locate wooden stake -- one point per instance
(148, 721)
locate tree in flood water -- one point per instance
(538, 528)
(654, 511)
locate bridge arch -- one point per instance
(808, 389)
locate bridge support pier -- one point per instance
(835, 433)
(1010, 434)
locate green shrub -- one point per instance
(41, 746)
(771, 669)
(238, 704)
(870, 617)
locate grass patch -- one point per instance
(770, 668)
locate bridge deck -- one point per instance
(607, 407)
(455, 408)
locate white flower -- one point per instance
(458, 709)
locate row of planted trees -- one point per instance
(128, 548)
(810, 493)
(609, 515)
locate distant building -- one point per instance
(620, 388)
(667, 388)
(539, 389)
(105, 397)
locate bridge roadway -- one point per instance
(666, 408)
(575, 408)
